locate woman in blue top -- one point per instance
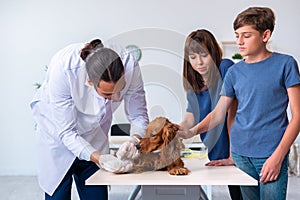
(203, 72)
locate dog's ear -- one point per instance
(170, 152)
(169, 132)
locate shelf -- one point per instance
(229, 48)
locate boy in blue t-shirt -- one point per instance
(263, 84)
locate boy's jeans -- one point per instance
(268, 191)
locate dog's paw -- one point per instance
(179, 171)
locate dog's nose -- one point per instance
(138, 146)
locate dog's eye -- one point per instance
(152, 135)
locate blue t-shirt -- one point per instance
(261, 91)
(216, 140)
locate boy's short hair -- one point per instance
(260, 18)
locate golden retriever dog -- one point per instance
(160, 149)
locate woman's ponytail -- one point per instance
(90, 47)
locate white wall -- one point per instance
(32, 31)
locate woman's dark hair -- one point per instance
(90, 47)
(104, 64)
(197, 42)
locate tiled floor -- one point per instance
(26, 188)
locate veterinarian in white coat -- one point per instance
(73, 111)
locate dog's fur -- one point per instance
(294, 160)
(160, 149)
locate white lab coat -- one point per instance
(71, 116)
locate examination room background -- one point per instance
(32, 31)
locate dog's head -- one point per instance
(160, 148)
(160, 135)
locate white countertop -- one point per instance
(200, 175)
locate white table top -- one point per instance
(200, 175)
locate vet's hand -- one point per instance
(128, 150)
(221, 162)
(187, 133)
(115, 165)
(270, 170)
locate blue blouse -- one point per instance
(216, 140)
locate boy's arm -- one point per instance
(188, 121)
(211, 120)
(272, 166)
(293, 128)
(215, 117)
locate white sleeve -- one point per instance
(135, 100)
(63, 110)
